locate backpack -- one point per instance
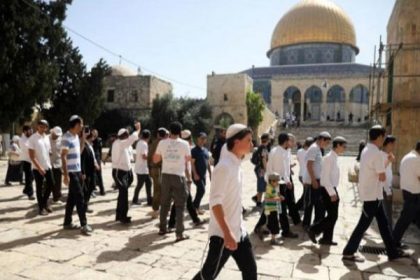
(255, 159)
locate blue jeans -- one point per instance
(261, 184)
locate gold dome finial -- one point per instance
(314, 21)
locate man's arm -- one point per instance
(64, 153)
(36, 162)
(310, 168)
(195, 175)
(229, 239)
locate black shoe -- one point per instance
(136, 202)
(7, 183)
(200, 222)
(90, 211)
(327, 242)
(102, 193)
(402, 246)
(31, 197)
(290, 235)
(255, 199)
(126, 220)
(259, 205)
(70, 227)
(243, 211)
(48, 209)
(312, 236)
(400, 254)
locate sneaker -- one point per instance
(86, 230)
(276, 242)
(290, 235)
(70, 227)
(43, 212)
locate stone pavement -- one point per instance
(36, 247)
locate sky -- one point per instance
(183, 41)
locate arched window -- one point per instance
(313, 94)
(336, 94)
(359, 94)
(290, 94)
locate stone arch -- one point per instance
(359, 103)
(292, 101)
(336, 99)
(313, 100)
(224, 120)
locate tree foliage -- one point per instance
(110, 121)
(255, 106)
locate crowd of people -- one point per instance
(172, 162)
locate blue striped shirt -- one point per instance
(71, 143)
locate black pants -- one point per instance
(272, 222)
(29, 178)
(300, 202)
(42, 195)
(218, 255)
(190, 208)
(75, 198)
(371, 209)
(411, 209)
(99, 180)
(14, 172)
(122, 181)
(313, 200)
(289, 195)
(326, 225)
(201, 189)
(89, 187)
(141, 180)
(56, 191)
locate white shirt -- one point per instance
(23, 144)
(301, 153)
(226, 190)
(279, 161)
(141, 166)
(121, 156)
(313, 154)
(330, 173)
(387, 185)
(55, 152)
(175, 154)
(410, 172)
(42, 147)
(371, 165)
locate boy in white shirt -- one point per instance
(389, 159)
(227, 231)
(372, 173)
(301, 154)
(141, 168)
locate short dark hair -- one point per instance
(161, 133)
(337, 143)
(75, 122)
(26, 128)
(389, 139)
(175, 128)
(418, 146)
(238, 136)
(376, 132)
(145, 134)
(265, 137)
(283, 138)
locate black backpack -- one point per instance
(255, 159)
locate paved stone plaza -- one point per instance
(36, 247)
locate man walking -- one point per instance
(97, 148)
(260, 158)
(141, 168)
(26, 162)
(55, 140)
(330, 177)
(39, 152)
(200, 166)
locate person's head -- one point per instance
(175, 129)
(201, 139)
(186, 135)
(15, 139)
(27, 130)
(377, 135)
(292, 141)
(339, 145)
(95, 133)
(56, 132)
(42, 126)
(162, 133)
(389, 143)
(308, 142)
(75, 124)
(299, 145)
(265, 139)
(274, 179)
(418, 147)
(362, 145)
(122, 134)
(222, 133)
(239, 139)
(283, 139)
(89, 137)
(145, 135)
(324, 139)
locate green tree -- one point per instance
(255, 106)
(30, 32)
(110, 121)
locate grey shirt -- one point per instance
(55, 152)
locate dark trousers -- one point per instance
(201, 189)
(56, 191)
(190, 208)
(371, 209)
(313, 200)
(411, 209)
(300, 202)
(156, 177)
(99, 180)
(326, 224)
(75, 198)
(272, 222)
(42, 195)
(122, 181)
(14, 172)
(29, 178)
(289, 195)
(89, 186)
(387, 203)
(141, 180)
(218, 255)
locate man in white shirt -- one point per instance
(372, 173)
(289, 190)
(330, 178)
(278, 162)
(39, 152)
(388, 158)
(410, 185)
(26, 161)
(311, 179)
(121, 162)
(227, 231)
(175, 155)
(301, 154)
(141, 168)
(55, 140)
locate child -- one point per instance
(272, 209)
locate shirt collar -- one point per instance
(334, 154)
(232, 157)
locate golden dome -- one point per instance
(314, 21)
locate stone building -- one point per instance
(312, 72)
(131, 92)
